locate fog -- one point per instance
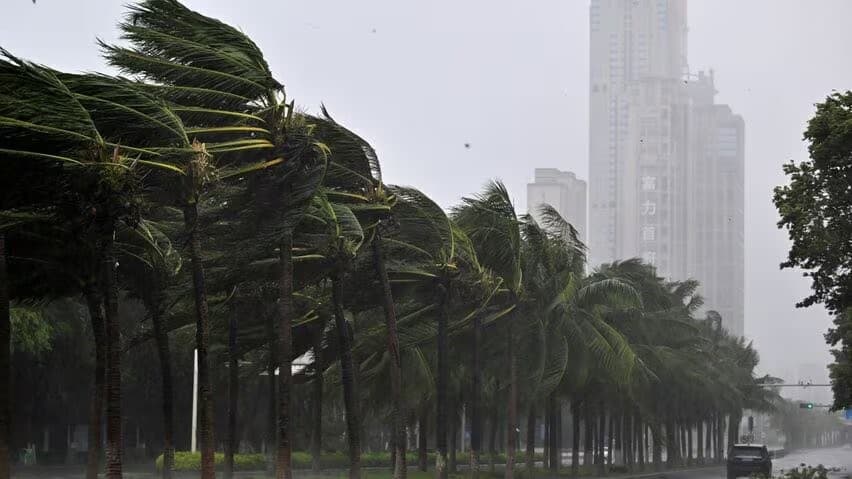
(420, 80)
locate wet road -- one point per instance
(839, 459)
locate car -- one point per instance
(748, 459)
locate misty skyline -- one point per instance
(421, 80)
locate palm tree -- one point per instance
(5, 363)
(149, 267)
(489, 219)
(75, 121)
(342, 237)
(433, 262)
(221, 85)
(233, 392)
(355, 178)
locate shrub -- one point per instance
(191, 461)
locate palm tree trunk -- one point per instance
(657, 439)
(475, 400)
(5, 364)
(671, 443)
(443, 377)
(559, 433)
(639, 435)
(316, 433)
(588, 446)
(165, 356)
(422, 437)
(628, 435)
(454, 431)
(272, 386)
(610, 440)
(94, 301)
(492, 439)
(531, 441)
(720, 434)
(512, 413)
(617, 450)
(601, 439)
(283, 463)
(699, 441)
(546, 443)
(398, 439)
(350, 401)
(202, 340)
(712, 437)
(575, 438)
(734, 420)
(233, 395)
(595, 442)
(113, 371)
(689, 444)
(708, 443)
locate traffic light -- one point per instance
(806, 405)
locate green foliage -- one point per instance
(191, 461)
(816, 210)
(31, 333)
(815, 205)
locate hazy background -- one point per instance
(419, 79)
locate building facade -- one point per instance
(562, 190)
(716, 193)
(636, 130)
(665, 161)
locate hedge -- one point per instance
(191, 461)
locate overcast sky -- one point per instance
(419, 79)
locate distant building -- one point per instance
(636, 131)
(665, 161)
(563, 191)
(716, 194)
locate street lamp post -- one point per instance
(193, 437)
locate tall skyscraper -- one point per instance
(563, 191)
(636, 130)
(654, 137)
(715, 224)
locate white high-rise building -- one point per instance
(637, 125)
(563, 191)
(662, 155)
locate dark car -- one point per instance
(748, 459)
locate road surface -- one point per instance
(838, 459)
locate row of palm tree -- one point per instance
(294, 245)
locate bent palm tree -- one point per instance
(220, 84)
(77, 122)
(490, 221)
(355, 179)
(335, 234)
